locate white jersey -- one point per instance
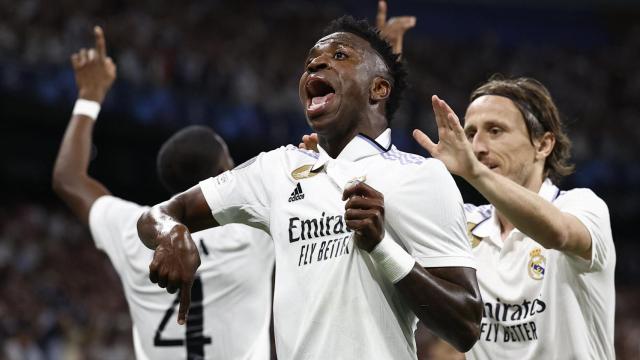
(541, 303)
(231, 297)
(331, 301)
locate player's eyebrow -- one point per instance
(332, 42)
(496, 122)
(341, 43)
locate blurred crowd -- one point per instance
(177, 63)
(596, 90)
(236, 65)
(239, 62)
(61, 298)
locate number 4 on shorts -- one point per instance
(194, 338)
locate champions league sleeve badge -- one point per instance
(537, 264)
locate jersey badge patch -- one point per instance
(303, 172)
(537, 264)
(473, 239)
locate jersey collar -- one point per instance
(489, 228)
(548, 191)
(359, 147)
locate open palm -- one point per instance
(453, 148)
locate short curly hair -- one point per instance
(397, 70)
(190, 155)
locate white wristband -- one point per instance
(87, 108)
(392, 259)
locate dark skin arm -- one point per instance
(447, 300)
(166, 228)
(94, 73)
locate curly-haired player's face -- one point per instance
(335, 87)
(500, 139)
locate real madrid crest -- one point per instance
(537, 264)
(303, 172)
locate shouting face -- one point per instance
(339, 82)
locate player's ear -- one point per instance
(380, 89)
(544, 145)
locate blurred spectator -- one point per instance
(61, 298)
(216, 56)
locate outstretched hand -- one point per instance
(174, 266)
(394, 29)
(453, 148)
(94, 70)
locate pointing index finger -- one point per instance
(101, 46)
(185, 302)
(381, 18)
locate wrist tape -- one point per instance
(392, 259)
(87, 108)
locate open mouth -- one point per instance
(320, 93)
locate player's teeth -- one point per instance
(314, 106)
(319, 100)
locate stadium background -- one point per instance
(234, 65)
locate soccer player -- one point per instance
(362, 246)
(546, 257)
(231, 293)
(392, 30)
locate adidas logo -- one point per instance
(297, 194)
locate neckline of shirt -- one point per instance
(359, 147)
(489, 228)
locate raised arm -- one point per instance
(528, 212)
(447, 300)
(94, 73)
(166, 228)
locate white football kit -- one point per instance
(331, 301)
(230, 300)
(541, 303)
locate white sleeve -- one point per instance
(110, 219)
(241, 195)
(427, 216)
(594, 215)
